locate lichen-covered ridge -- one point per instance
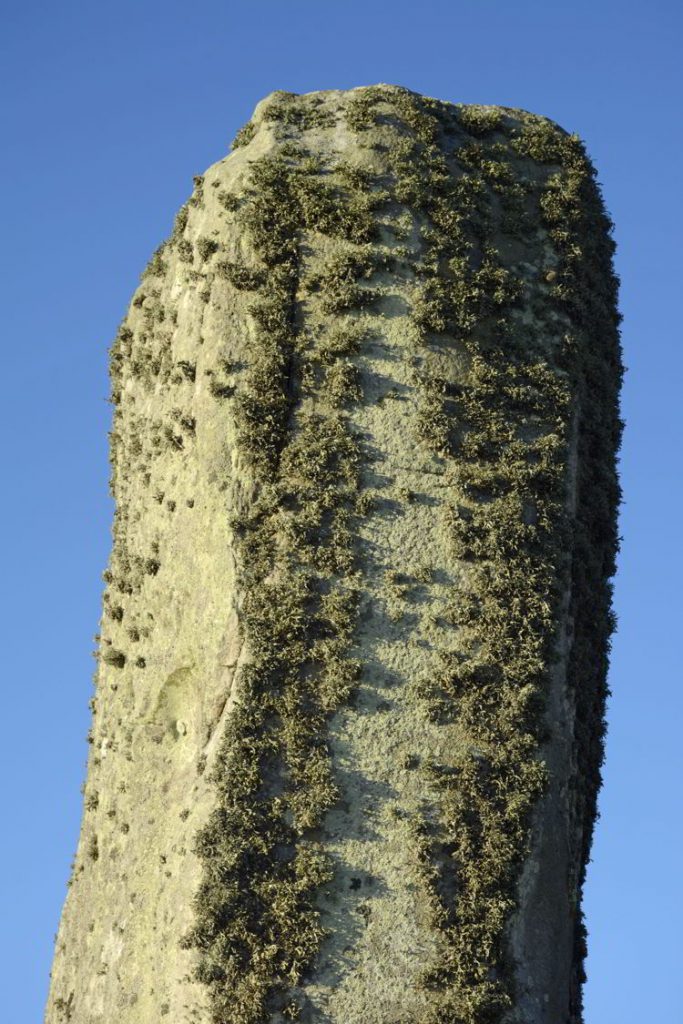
(508, 418)
(257, 927)
(378, 361)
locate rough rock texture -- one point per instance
(348, 721)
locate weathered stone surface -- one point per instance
(348, 719)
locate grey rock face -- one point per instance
(349, 708)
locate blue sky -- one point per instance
(108, 110)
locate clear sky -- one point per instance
(108, 110)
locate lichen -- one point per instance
(507, 421)
(256, 925)
(244, 135)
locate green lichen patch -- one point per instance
(297, 113)
(257, 926)
(244, 135)
(508, 421)
(479, 120)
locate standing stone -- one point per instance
(349, 712)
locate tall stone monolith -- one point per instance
(349, 711)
